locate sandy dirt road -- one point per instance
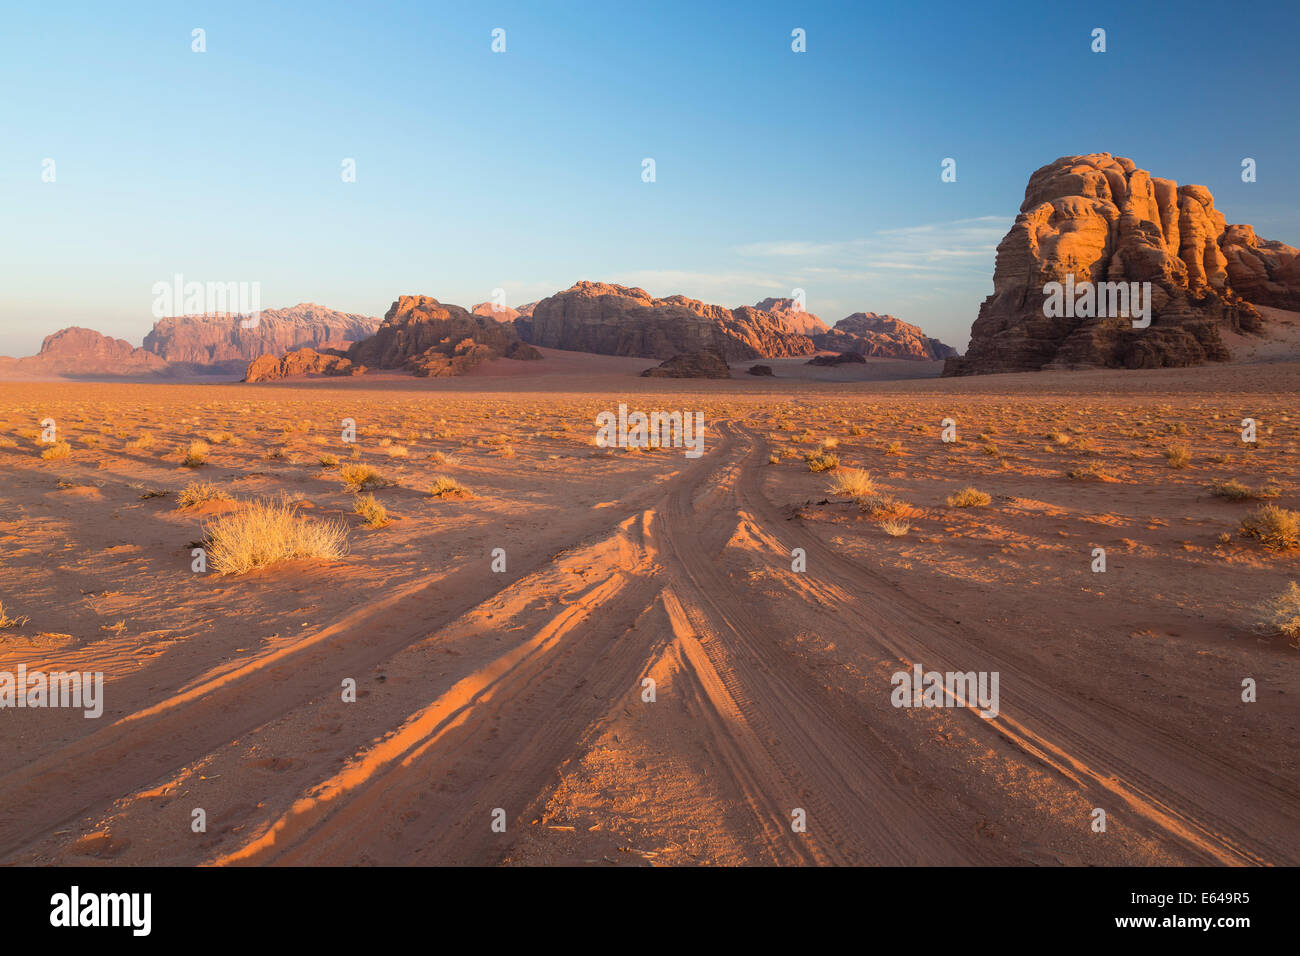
(520, 700)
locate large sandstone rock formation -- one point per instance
(268, 368)
(1101, 219)
(707, 363)
(882, 336)
(617, 320)
(220, 343)
(84, 352)
(795, 318)
(422, 335)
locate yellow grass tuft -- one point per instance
(57, 451)
(854, 482)
(363, 478)
(268, 531)
(444, 487)
(198, 493)
(968, 498)
(7, 622)
(1281, 615)
(195, 454)
(1278, 529)
(371, 510)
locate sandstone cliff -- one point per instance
(422, 335)
(617, 320)
(882, 336)
(1099, 218)
(268, 368)
(83, 352)
(794, 318)
(219, 342)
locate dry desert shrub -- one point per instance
(1281, 615)
(146, 440)
(328, 461)
(444, 487)
(7, 622)
(1178, 456)
(438, 458)
(894, 448)
(1090, 471)
(58, 451)
(895, 527)
(854, 482)
(396, 451)
(371, 510)
(884, 507)
(268, 531)
(1277, 529)
(968, 498)
(1234, 490)
(195, 454)
(198, 493)
(363, 478)
(821, 461)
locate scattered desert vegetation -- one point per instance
(57, 451)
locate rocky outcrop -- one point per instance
(1261, 271)
(759, 370)
(882, 336)
(706, 363)
(502, 313)
(618, 320)
(75, 352)
(1099, 218)
(268, 368)
(421, 335)
(793, 315)
(222, 343)
(844, 358)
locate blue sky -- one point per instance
(522, 170)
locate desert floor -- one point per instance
(523, 690)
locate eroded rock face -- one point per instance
(1262, 271)
(502, 313)
(422, 335)
(706, 363)
(795, 318)
(268, 368)
(882, 336)
(618, 320)
(220, 342)
(1101, 219)
(76, 351)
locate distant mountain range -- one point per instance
(426, 337)
(191, 344)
